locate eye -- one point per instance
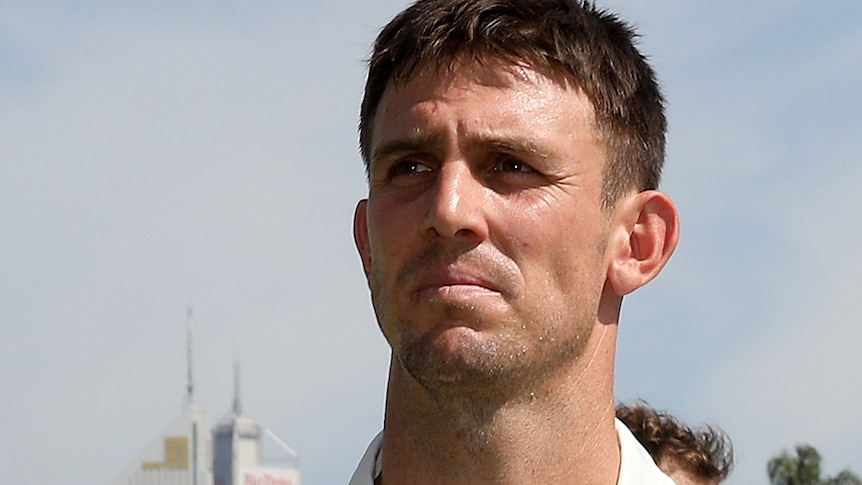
(408, 167)
(508, 163)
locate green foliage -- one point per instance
(846, 477)
(803, 468)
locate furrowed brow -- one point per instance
(511, 145)
(408, 144)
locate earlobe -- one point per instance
(647, 226)
(360, 234)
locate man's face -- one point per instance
(483, 237)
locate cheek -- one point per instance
(386, 242)
(563, 262)
(382, 228)
(392, 238)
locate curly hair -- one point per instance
(704, 453)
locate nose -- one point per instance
(457, 205)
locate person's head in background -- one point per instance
(690, 456)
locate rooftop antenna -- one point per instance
(190, 387)
(237, 407)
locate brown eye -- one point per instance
(511, 164)
(408, 167)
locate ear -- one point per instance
(360, 234)
(645, 232)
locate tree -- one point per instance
(846, 477)
(804, 469)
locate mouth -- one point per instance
(443, 275)
(456, 285)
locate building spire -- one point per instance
(190, 386)
(237, 407)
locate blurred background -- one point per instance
(161, 155)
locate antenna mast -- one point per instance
(237, 407)
(190, 387)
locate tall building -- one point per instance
(239, 451)
(183, 454)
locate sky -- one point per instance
(156, 156)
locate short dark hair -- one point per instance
(705, 453)
(591, 49)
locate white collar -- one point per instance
(636, 465)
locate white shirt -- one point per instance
(636, 465)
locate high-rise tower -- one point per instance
(181, 455)
(238, 451)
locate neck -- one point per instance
(557, 430)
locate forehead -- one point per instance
(429, 80)
(483, 96)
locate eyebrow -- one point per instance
(510, 145)
(426, 143)
(407, 144)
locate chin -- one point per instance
(485, 363)
(462, 358)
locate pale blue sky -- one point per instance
(159, 155)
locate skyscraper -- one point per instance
(238, 445)
(183, 454)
